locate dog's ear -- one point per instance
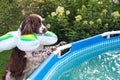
(26, 29)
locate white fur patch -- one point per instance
(8, 76)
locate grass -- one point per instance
(4, 56)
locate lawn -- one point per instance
(4, 56)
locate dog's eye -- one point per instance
(39, 21)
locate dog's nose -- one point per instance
(44, 30)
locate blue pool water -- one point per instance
(102, 67)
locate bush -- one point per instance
(75, 20)
(71, 20)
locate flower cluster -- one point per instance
(99, 21)
(104, 11)
(91, 22)
(94, 0)
(40, 1)
(116, 14)
(60, 11)
(83, 7)
(85, 22)
(78, 17)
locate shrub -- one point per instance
(71, 20)
(76, 19)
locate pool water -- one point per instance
(102, 67)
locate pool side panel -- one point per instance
(42, 70)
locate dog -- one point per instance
(22, 63)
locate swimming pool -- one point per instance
(102, 67)
(55, 68)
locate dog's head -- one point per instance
(32, 24)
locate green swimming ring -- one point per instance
(29, 42)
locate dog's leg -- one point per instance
(47, 50)
(53, 48)
(39, 56)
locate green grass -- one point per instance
(4, 56)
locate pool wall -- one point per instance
(80, 51)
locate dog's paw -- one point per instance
(62, 43)
(53, 48)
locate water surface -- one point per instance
(102, 67)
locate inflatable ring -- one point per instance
(7, 41)
(48, 38)
(29, 42)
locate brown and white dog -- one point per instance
(22, 63)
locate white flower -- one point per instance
(78, 10)
(67, 12)
(115, 1)
(48, 25)
(100, 2)
(53, 14)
